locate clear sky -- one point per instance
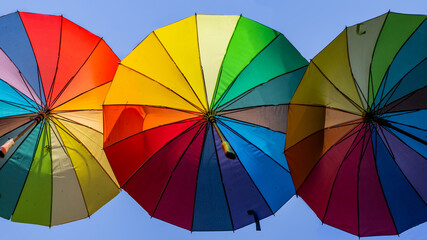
(309, 25)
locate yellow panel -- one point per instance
(67, 199)
(333, 62)
(315, 89)
(214, 32)
(93, 141)
(92, 119)
(151, 59)
(97, 187)
(335, 117)
(130, 87)
(90, 100)
(180, 41)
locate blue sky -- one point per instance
(309, 25)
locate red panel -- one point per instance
(342, 211)
(147, 185)
(177, 203)
(374, 216)
(77, 45)
(317, 187)
(98, 70)
(44, 33)
(127, 156)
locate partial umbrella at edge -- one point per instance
(357, 129)
(54, 76)
(195, 122)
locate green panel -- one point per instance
(278, 91)
(249, 38)
(34, 205)
(278, 58)
(396, 30)
(14, 173)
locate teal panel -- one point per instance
(14, 173)
(277, 91)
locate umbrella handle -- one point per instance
(258, 226)
(6, 147)
(229, 153)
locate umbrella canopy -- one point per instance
(357, 129)
(195, 122)
(54, 76)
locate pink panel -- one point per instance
(317, 187)
(342, 210)
(374, 215)
(177, 203)
(148, 183)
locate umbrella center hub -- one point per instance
(372, 117)
(210, 117)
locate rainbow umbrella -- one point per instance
(357, 129)
(54, 76)
(195, 122)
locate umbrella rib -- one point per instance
(345, 96)
(71, 162)
(179, 161)
(395, 87)
(236, 99)
(192, 104)
(370, 81)
(57, 64)
(75, 74)
(37, 107)
(23, 107)
(201, 68)
(165, 145)
(176, 65)
(168, 124)
(22, 78)
(35, 58)
(65, 119)
(80, 94)
(388, 147)
(244, 139)
(69, 133)
(374, 128)
(28, 172)
(249, 176)
(398, 51)
(360, 93)
(248, 123)
(388, 125)
(365, 143)
(197, 177)
(211, 105)
(222, 180)
(218, 103)
(349, 151)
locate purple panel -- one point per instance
(413, 165)
(10, 74)
(241, 193)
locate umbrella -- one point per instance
(54, 76)
(195, 122)
(356, 143)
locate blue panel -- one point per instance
(210, 209)
(406, 206)
(418, 129)
(277, 91)
(14, 173)
(6, 110)
(272, 180)
(410, 55)
(15, 43)
(8, 94)
(270, 142)
(242, 194)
